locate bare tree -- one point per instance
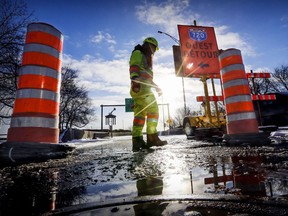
(277, 83)
(177, 120)
(75, 105)
(220, 108)
(14, 19)
(280, 78)
(260, 85)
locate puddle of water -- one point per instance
(107, 191)
(198, 181)
(38, 192)
(236, 175)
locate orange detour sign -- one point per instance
(199, 50)
(36, 108)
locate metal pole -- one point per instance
(215, 102)
(111, 129)
(191, 179)
(169, 120)
(258, 104)
(101, 117)
(207, 102)
(183, 87)
(184, 97)
(163, 115)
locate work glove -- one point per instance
(135, 86)
(159, 91)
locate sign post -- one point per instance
(129, 103)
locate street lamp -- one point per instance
(183, 87)
(173, 38)
(110, 120)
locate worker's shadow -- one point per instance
(149, 187)
(148, 183)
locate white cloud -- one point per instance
(227, 39)
(107, 82)
(164, 54)
(248, 68)
(103, 37)
(102, 77)
(120, 54)
(284, 20)
(106, 39)
(168, 15)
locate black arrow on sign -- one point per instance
(202, 65)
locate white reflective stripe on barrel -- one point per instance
(241, 116)
(231, 68)
(237, 82)
(42, 49)
(229, 53)
(44, 27)
(38, 93)
(237, 98)
(38, 70)
(34, 122)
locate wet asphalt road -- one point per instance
(101, 171)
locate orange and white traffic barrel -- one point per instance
(36, 109)
(242, 125)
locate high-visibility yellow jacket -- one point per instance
(140, 70)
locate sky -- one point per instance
(100, 35)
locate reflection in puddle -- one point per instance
(238, 175)
(177, 184)
(170, 185)
(108, 191)
(204, 181)
(218, 178)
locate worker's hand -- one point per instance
(135, 86)
(159, 91)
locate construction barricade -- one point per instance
(36, 108)
(34, 122)
(242, 125)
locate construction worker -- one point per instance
(145, 105)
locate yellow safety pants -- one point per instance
(145, 108)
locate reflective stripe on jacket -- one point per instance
(140, 69)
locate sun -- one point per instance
(172, 89)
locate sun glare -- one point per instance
(172, 91)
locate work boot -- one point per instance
(153, 140)
(138, 143)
